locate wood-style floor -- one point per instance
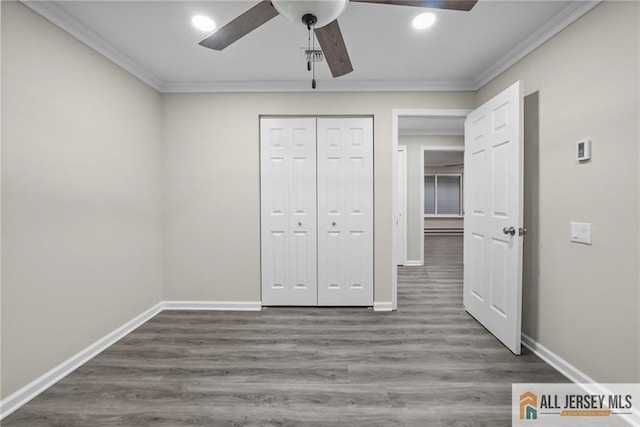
(428, 364)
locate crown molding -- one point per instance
(323, 86)
(58, 16)
(566, 17)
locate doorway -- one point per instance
(442, 191)
(412, 127)
(493, 226)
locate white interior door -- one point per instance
(493, 194)
(288, 211)
(401, 219)
(345, 211)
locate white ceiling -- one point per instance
(156, 42)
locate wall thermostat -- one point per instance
(584, 150)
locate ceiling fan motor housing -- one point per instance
(309, 20)
(325, 11)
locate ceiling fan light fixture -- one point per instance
(203, 23)
(424, 21)
(326, 11)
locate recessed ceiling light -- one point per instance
(203, 23)
(424, 20)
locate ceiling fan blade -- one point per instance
(241, 26)
(334, 49)
(465, 5)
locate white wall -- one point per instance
(415, 176)
(81, 249)
(582, 302)
(211, 181)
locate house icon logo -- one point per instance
(528, 406)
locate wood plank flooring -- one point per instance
(428, 364)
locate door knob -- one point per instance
(333, 224)
(509, 230)
(299, 224)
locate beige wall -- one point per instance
(211, 184)
(81, 168)
(415, 175)
(581, 301)
(80, 196)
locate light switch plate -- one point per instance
(581, 232)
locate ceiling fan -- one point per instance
(319, 16)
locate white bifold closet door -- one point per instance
(345, 211)
(288, 211)
(317, 211)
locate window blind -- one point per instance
(429, 195)
(448, 195)
(442, 194)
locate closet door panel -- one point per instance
(288, 211)
(345, 211)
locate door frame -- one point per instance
(396, 113)
(401, 255)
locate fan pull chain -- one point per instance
(309, 48)
(313, 78)
(310, 21)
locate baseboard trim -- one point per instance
(17, 399)
(14, 401)
(413, 263)
(382, 306)
(573, 374)
(213, 305)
